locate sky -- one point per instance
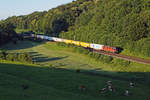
(10, 8)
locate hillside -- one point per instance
(53, 21)
(49, 53)
(54, 76)
(52, 83)
(44, 70)
(121, 23)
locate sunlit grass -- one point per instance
(72, 60)
(57, 79)
(49, 54)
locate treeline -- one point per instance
(122, 23)
(7, 33)
(54, 21)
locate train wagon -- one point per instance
(96, 46)
(68, 41)
(110, 49)
(35, 36)
(49, 38)
(40, 37)
(57, 39)
(63, 40)
(76, 42)
(32, 35)
(45, 37)
(54, 39)
(79, 43)
(84, 44)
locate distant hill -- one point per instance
(53, 21)
(123, 23)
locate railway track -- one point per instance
(121, 56)
(125, 57)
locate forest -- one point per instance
(7, 33)
(119, 23)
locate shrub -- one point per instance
(121, 62)
(11, 57)
(20, 57)
(2, 55)
(106, 59)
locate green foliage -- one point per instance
(123, 23)
(143, 47)
(7, 33)
(121, 62)
(54, 21)
(19, 57)
(106, 59)
(2, 55)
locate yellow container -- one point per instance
(84, 44)
(68, 41)
(76, 42)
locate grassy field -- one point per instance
(49, 54)
(53, 76)
(60, 84)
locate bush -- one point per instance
(11, 57)
(106, 59)
(28, 57)
(81, 50)
(121, 62)
(20, 57)
(94, 55)
(2, 55)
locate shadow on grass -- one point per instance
(140, 77)
(45, 59)
(69, 80)
(21, 45)
(42, 58)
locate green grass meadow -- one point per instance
(53, 76)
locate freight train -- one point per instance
(78, 43)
